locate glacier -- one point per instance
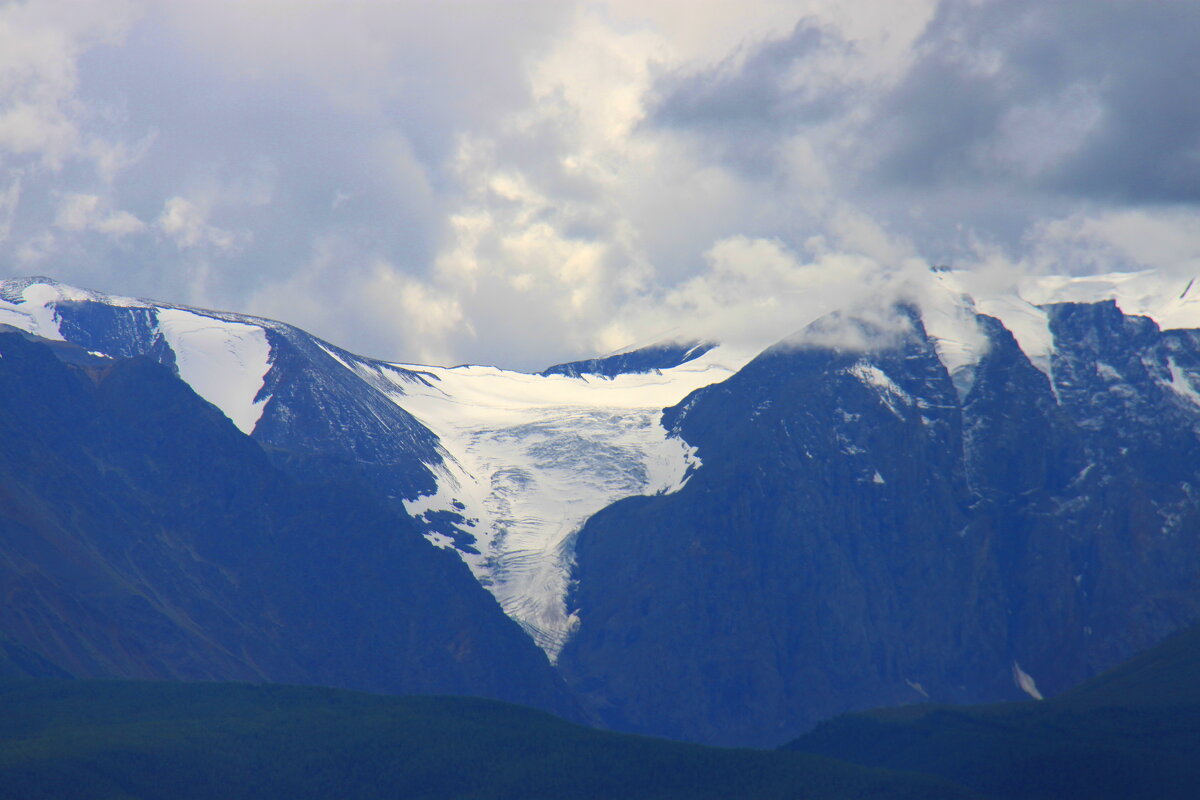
(523, 460)
(532, 457)
(224, 362)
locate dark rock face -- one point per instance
(143, 536)
(865, 530)
(322, 419)
(859, 536)
(18, 662)
(645, 359)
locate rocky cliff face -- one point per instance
(864, 533)
(318, 417)
(963, 508)
(144, 536)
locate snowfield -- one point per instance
(527, 459)
(531, 457)
(224, 362)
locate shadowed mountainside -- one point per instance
(1131, 732)
(868, 530)
(146, 741)
(144, 536)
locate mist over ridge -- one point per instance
(532, 183)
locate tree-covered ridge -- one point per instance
(194, 741)
(1133, 731)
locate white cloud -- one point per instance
(40, 44)
(757, 291)
(9, 197)
(83, 212)
(498, 180)
(187, 225)
(580, 220)
(1124, 240)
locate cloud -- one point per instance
(41, 120)
(527, 182)
(755, 291)
(992, 117)
(1090, 99)
(1121, 241)
(747, 110)
(9, 197)
(82, 212)
(187, 225)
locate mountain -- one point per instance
(652, 358)
(946, 516)
(1133, 731)
(964, 496)
(143, 535)
(301, 397)
(144, 741)
(499, 466)
(1165, 676)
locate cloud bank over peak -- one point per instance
(527, 182)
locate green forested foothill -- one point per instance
(1131, 732)
(91, 739)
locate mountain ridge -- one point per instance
(1132, 731)
(145, 536)
(970, 506)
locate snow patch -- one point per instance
(948, 314)
(1108, 372)
(35, 313)
(336, 357)
(224, 362)
(1028, 324)
(1182, 384)
(1025, 682)
(1172, 302)
(889, 392)
(529, 458)
(951, 296)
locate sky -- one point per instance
(523, 182)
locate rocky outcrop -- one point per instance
(860, 535)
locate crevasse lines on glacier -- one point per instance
(532, 457)
(521, 461)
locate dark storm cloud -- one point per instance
(1149, 150)
(743, 107)
(751, 94)
(1090, 99)
(510, 181)
(987, 70)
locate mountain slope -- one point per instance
(1165, 676)
(1132, 732)
(144, 536)
(870, 528)
(294, 393)
(653, 358)
(500, 467)
(973, 497)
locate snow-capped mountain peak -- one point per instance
(223, 359)
(532, 457)
(505, 467)
(501, 466)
